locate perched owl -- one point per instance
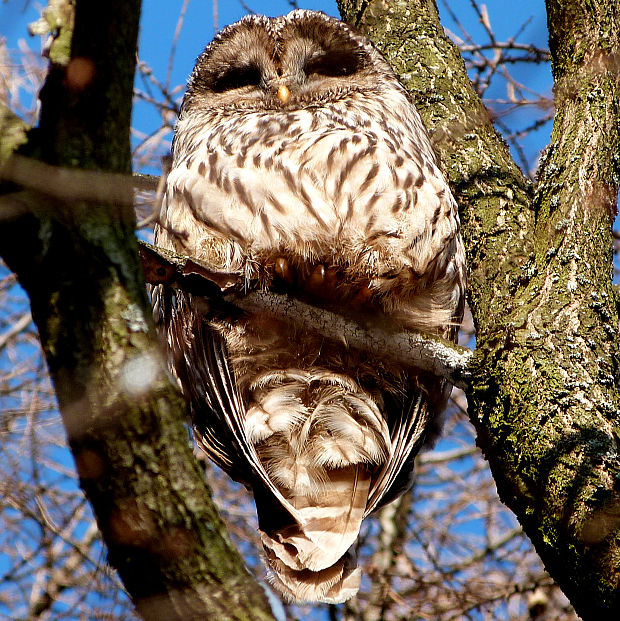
(300, 164)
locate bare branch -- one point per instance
(422, 351)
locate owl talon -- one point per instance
(314, 282)
(362, 297)
(323, 282)
(332, 281)
(283, 269)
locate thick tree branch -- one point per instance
(543, 396)
(76, 256)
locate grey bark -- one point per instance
(544, 397)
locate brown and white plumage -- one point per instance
(299, 162)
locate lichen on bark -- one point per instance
(544, 395)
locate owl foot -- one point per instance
(321, 281)
(325, 283)
(362, 297)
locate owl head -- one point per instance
(284, 63)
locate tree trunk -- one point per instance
(77, 259)
(544, 396)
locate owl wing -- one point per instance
(218, 414)
(201, 364)
(407, 435)
(305, 539)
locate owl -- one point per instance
(300, 165)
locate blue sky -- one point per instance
(160, 17)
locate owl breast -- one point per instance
(331, 183)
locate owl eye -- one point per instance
(237, 77)
(334, 64)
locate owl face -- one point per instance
(285, 63)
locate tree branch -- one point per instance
(75, 254)
(543, 394)
(417, 350)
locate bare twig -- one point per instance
(175, 40)
(15, 329)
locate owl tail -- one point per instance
(310, 559)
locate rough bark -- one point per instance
(77, 260)
(544, 398)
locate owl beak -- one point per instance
(284, 94)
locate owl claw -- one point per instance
(284, 270)
(325, 283)
(331, 278)
(315, 281)
(362, 297)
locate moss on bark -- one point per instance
(78, 262)
(544, 397)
